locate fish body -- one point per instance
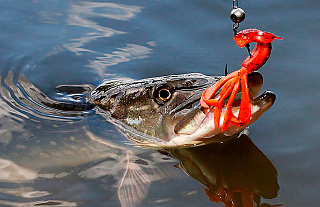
(158, 112)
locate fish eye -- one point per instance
(163, 93)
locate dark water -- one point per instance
(50, 160)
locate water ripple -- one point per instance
(121, 55)
(39, 203)
(81, 14)
(28, 100)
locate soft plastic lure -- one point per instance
(237, 80)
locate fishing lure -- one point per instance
(237, 80)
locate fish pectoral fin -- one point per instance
(134, 185)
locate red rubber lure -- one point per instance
(237, 80)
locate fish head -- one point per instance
(165, 111)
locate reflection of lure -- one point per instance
(231, 84)
(229, 198)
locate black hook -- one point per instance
(226, 70)
(248, 48)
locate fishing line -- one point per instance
(237, 15)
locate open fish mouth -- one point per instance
(201, 128)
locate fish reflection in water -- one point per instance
(235, 173)
(223, 168)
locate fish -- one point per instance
(164, 112)
(53, 138)
(157, 112)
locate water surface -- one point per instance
(58, 160)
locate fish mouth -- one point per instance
(201, 128)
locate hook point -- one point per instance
(248, 48)
(226, 70)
